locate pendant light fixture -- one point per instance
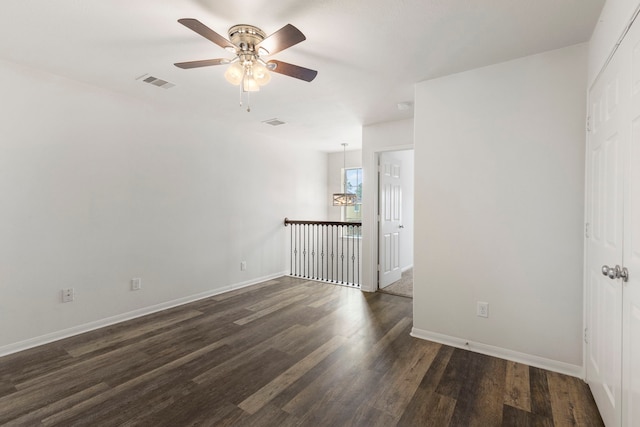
(344, 198)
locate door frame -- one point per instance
(370, 201)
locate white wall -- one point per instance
(97, 189)
(335, 164)
(613, 19)
(376, 138)
(499, 154)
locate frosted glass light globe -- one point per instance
(234, 74)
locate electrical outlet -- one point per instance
(68, 295)
(243, 265)
(482, 309)
(136, 284)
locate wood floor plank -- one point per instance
(268, 416)
(7, 387)
(34, 417)
(428, 408)
(198, 408)
(344, 376)
(342, 394)
(276, 298)
(34, 362)
(96, 368)
(570, 403)
(517, 391)
(367, 415)
(480, 399)
(43, 393)
(331, 297)
(114, 409)
(330, 368)
(263, 396)
(399, 383)
(247, 292)
(512, 416)
(114, 339)
(346, 384)
(385, 341)
(457, 368)
(315, 355)
(243, 352)
(540, 398)
(432, 378)
(270, 309)
(125, 387)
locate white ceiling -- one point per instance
(368, 53)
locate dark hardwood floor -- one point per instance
(287, 352)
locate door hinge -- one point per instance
(378, 267)
(586, 339)
(586, 230)
(588, 123)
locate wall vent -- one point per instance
(155, 81)
(274, 122)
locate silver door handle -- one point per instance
(401, 226)
(616, 272)
(624, 274)
(608, 271)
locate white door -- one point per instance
(631, 253)
(604, 237)
(390, 214)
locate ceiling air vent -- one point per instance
(274, 122)
(155, 81)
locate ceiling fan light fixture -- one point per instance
(247, 42)
(234, 73)
(260, 74)
(250, 84)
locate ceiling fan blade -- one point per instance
(291, 70)
(282, 39)
(207, 33)
(202, 63)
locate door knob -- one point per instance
(623, 273)
(401, 226)
(608, 271)
(616, 272)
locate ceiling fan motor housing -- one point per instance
(246, 38)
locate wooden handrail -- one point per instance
(288, 221)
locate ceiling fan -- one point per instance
(249, 44)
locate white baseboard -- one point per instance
(502, 353)
(408, 267)
(86, 327)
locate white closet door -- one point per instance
(607, 139)
(631, 254)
